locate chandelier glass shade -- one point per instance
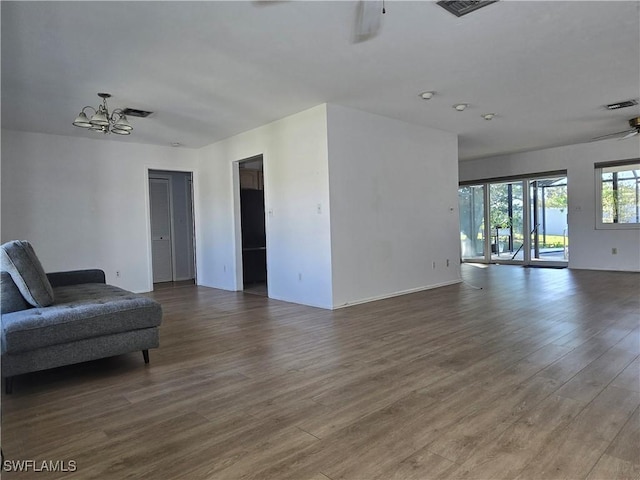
(103, 121)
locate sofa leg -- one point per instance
(8, 385)
(145, 354)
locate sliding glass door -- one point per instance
(549, 229)
(472, 234)
(506, 212)
(516, 221)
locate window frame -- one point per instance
(598, 169)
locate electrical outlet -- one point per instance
(447, 262)
(434, 265)
(614, 251)
(117, 273)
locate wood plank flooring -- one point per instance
(535, 375)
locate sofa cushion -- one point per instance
(10, 297)
(81, 311)
(20, 260)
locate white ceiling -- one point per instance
(210, 70)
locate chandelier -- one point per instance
(103, 121)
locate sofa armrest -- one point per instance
(75, 277)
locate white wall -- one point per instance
(589, 248)
(555, 221)
(394, 206)
(83, 203)
(296, 180)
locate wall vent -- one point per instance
(132, 112)
(459, 8)
(625, 104)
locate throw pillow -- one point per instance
(11, 299)
(20, 260)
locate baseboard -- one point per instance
(604, 269)
(184, 279)
(397, 294)
(299, 302)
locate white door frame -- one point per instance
(237, 219)
(237, 227)
(194, 179)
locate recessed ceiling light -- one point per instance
(488, 116)
(460, 106)
(427, 95)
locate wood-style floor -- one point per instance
(534, 376)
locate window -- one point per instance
(618, 194)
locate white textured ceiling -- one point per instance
(210, 70)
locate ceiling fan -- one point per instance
(368, 20)
(368, 17)
(634, 123)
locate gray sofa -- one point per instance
(55, 319)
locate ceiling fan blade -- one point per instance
(630, 132)
(368, 20)
(266, 3)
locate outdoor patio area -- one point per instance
(545, 255)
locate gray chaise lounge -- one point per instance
(55, 319)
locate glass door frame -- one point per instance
(526, 181)
(525, 222)
(537, 261)
(472, 214)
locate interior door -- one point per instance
(190, 229)
(160, 201)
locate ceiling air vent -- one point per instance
(462, 8)
(132, 112)
(625, 104)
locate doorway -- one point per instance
(549, 229)
(253, 228)
(172, 227)
(506, 221)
